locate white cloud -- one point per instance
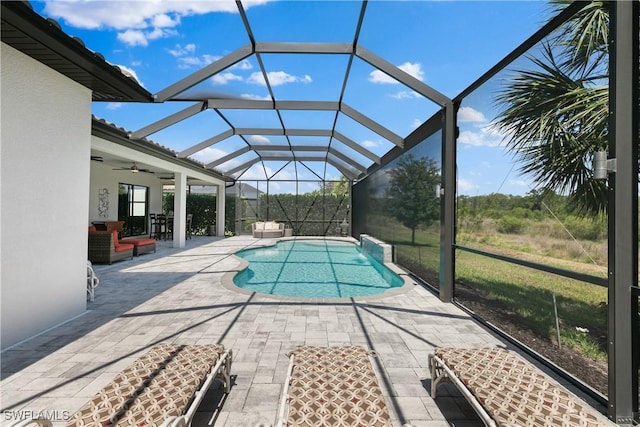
(182, 50)
(133, 38)
(225, 77)
(370, 144)
(137, 21)
(277, 78)
(121, 15)
(141, 38)
(465, 186)
(486, 136)
(255, 97)
(259, 140)
(412, 68)
(114, 105)
(406, 94)
(242, 65)
(196, 61)
(209, 155)
(468, 114)
(163, 21)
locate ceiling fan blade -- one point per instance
(97, 158)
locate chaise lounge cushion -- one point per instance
(333, 386)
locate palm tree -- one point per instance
(557, 112)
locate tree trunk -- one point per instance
(413, 235)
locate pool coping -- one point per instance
(227, 278)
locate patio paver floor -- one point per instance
(175, 295)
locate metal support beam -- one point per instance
(347, 160)
(284, 47)
(356, 147)
(401, 76)
(244, 104)
(229, 156)
(308, 105)
(259, 104)
(258, 148)
(623, 211)
(372, 125)
(204, 73)
(206, 143)
(448, 200)
(169, 120)
(279, 131)
(245, 165)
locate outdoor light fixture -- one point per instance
(134, 168)
(602, 166)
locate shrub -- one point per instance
(586, 228)
(511, 225)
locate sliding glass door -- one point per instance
(133, 209)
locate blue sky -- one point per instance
(445, 44)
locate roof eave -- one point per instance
(43, 40)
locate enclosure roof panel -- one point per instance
(353, 77)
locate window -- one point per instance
(133, 208)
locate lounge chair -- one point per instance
(332, 386)
(506, 390)
(163, 387)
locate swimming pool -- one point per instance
(314, 269)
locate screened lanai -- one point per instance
(332, 129)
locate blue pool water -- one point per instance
(314, 269)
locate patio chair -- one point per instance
(189, 224)
(92, 281)
(332, 386)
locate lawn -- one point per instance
(526, 293)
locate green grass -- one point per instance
(525, 292)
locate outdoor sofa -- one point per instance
(267, 229)
(105, 248)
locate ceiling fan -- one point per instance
(133, 169)
(97, 158)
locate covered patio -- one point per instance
(176, 296)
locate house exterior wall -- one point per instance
(104, 177)
(44, 172)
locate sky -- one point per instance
(446, 45)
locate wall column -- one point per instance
(220, 210)
(180, 210)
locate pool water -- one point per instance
(314, 269)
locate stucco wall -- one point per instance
(104, 177)
(44, 152)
